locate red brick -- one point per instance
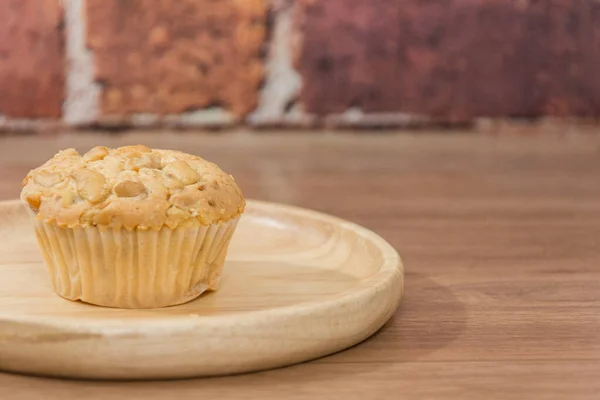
(31, 58)
(453, 59)
(171, 56)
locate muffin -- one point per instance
(132, 227)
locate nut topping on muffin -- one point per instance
(131, 187)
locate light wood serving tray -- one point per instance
(297, 285)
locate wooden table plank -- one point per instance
(500, 236)
(571, 379)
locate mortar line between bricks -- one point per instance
(282, 82)
(82, 102)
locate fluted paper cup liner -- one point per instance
(134, 268)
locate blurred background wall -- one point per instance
(340, 63)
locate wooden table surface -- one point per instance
(500, 235)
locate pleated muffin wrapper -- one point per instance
(116, 267)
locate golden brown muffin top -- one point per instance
(131, 187)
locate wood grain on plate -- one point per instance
(297, 285)
(499, 236)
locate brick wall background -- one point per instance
(295, 62)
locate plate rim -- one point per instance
(176, 348)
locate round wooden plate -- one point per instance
(297, 285)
